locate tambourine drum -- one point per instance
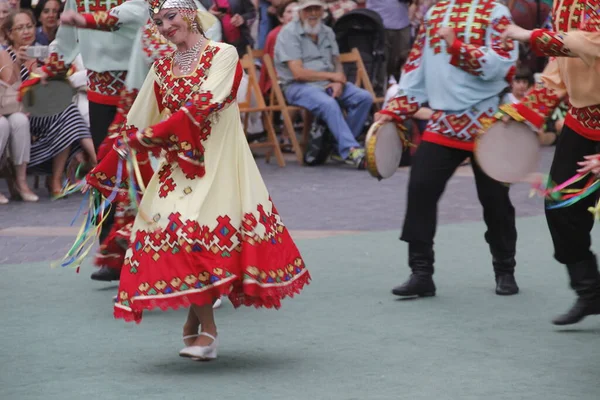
(508, 152)
(384, 150)
(50, 99)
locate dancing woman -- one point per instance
(206, 225)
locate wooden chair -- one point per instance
(278, 103)
(260, 107)
(362, 78)
(259, 55)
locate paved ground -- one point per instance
(328, 198)
(344, 338)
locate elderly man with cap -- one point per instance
(309, 68)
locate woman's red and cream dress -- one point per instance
(206, 226)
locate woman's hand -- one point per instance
(447, 34)
(590, 164)
(382, 118)
(22, 56)
(213, 10)
(514, 32)
(72, 18)
(237, 20)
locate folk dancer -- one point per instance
(206, 226)
(573, 71)
(459, 66)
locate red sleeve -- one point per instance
(101, 20)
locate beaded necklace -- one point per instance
(185, 59)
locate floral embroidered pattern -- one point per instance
(55, 65)
(416, 53)
(464, 127)
(402, 106)
(537, 104)
(212, 253)
(587, 117)
(176, 91)
(468, 57)
(108, 83)
(91, 6)
(548, 43)
(498, 27)
(102, 20)
(154, 44)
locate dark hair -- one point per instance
(40, 7)
(282, 6)
(10, 21)
(525, 74)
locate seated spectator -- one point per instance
(309, 68)
(56, 139)
(48, 13)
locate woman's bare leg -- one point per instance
(190, 327)
(206, 317)
(58, 168)
(88, 147)
(21, 179)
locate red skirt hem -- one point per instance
(240, 294)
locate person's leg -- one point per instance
(325, 107)
(101, 116)
(20, 146)
(204, 347)
(358, 103)
(433, 165)
(59, 163)
(570, 229)
(501, 235)
(4, 135)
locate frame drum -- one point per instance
(508, 152)
(384, 150)
(50, 99)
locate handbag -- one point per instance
(9, 98)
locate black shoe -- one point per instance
(506, 285)
(106, 274)
(581, 309)
(416, 285)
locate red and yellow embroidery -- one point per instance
(108, 83)
(102, 20)
(467, 57)
(498, 28)
(537, 104)
(548, 43)
(416, 53)
(55, 65)
(92, 6)
(402, 107)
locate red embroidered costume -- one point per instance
(206, 225)
(460, 74)
(573, 70)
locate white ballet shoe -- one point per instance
(217, 303)
(188, 337)
(201, 353)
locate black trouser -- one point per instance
(101, 116)
(570, 226)
(432, 167)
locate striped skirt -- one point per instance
(52, 135)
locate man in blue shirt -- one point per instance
(308, 66)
